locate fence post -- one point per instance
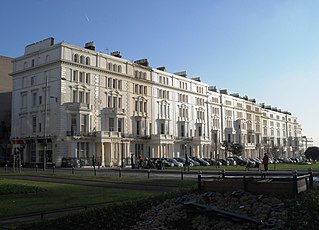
(199, 180)
(5, 168)
(294, 175)
(223, 173)
(245, 184)
(120, 172)
(72, 170)
(182, 175)
(310, 177)
(53, 167)
(148, 173)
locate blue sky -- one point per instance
(266, 49)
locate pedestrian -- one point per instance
(266, 161)
(132, 160)
(187, 162)
(140, 161)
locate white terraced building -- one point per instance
(74, 102)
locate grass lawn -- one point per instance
(58, 196)
(110, 179)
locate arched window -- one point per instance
(87, 61)
(115, 68)
(120, 69)
(47, 58)
(110, 66)
(82, 59)
(76, 58)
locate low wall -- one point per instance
(284, 186)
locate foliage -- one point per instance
(312, 153)
(126, 214)
(234, 148)
(115, 216)
(6, 189)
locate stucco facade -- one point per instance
(5, 102)
(74, 102)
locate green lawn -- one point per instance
(127, 179)
(57, 196)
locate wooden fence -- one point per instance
(259, 182)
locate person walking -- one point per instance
(266, 161)
(132, 160)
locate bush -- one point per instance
(7, 189)
(312, 153)
(114, 216)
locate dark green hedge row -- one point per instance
(6, 189)
(114, 216)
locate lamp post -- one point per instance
(45, 123)
(122, 153)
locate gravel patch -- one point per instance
(177, 213)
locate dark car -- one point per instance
(183, 161)
(195, 163)
(200, 161)
(175, 162)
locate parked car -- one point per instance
(224, 162)
(195, 163)
(182, 160)
(158, 161)
(231, 161)
(175, 162)
(200, 161)
(240, 161)
(212, 161)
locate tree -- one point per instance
(234, 148)
(237, 149)
(312, 153)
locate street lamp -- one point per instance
(45, 141)
(45, 123)
(122, 152)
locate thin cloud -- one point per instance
(87, 18)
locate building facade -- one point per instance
(73, 102)
(5, 111)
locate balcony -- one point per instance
(159, 117)
(81, 134)
(182, 119)
(143, 137)
(199, 121)
(158, 137)
(250, 146)
(24, 110)
(139, 114)
(117, 111)
(112, 134)
(230, 131)
(76, 106)
(183, 138)
(201, 139)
